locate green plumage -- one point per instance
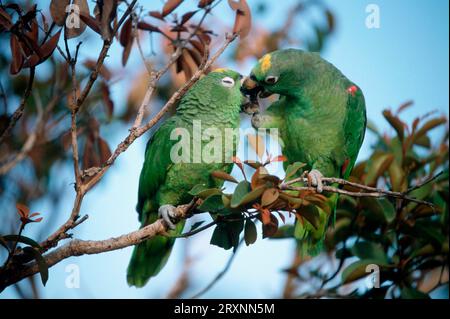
(321, 116)
(217, 105)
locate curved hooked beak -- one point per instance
(250, 90)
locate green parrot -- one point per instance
(214, 102)
(321, 117)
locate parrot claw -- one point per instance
(167, 213)
(315, 177)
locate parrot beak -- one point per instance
(250, 90)
(249, 87)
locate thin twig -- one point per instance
(220, 274)
(373, 191)
(20, 109)
(137, 132)
(9, 276)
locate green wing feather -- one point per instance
(150, 256)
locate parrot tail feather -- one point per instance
(149, 257)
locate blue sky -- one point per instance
(405, 59)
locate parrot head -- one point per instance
(280, 72)
(223, 83)
(220, 88)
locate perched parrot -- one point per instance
(321, 117)
(215, 100)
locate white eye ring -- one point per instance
(227, 82)
(271, 79)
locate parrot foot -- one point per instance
(315, 178)
(168, 214)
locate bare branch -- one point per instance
(137, 132)
(20, 109)
(372, 191)
(78, 247)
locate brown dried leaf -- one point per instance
(199, 46)
(269, 196)
(84, 10)
(196, 56)
(91, 22)
(16, 55)
(107, 11)
(108, 103)
(204, 3)
(103, 149)
(58, 11)
(404, 106)
(34, 33)
(46, 50)
(169, 6)
(157, 15)
(126, 32)
(5, 19)
(187, 16)
(243, 20)
(148, 27)
(90, 157)
(204, 38)
(330, 20)
(127, 51)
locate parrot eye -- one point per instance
(271, 79)
(227, 82)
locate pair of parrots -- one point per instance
(321, 118)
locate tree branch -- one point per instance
(372, 191)
(20, 109)
(78, 247)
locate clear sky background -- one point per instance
(405, 59)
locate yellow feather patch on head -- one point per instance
(220, 70)
(266, 62)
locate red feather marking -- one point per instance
(344, 166)
(352, 90)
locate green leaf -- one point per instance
(357, 270)
(21, 239)
(271, 228)
(250, 233)
(253, 195)
(269, 196)
(196, 225)
(43, 267)
(428, 126)
(202, 191)
(220, 237)
(224, 176)
(378, 164)
(226, 234)
(242, 189)
(388, 209)
(283, 232)
(374, 211)
(292, 169)
(212, 204)
(370, 250)
(311, 214)
(412, 293)
(396, 123)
